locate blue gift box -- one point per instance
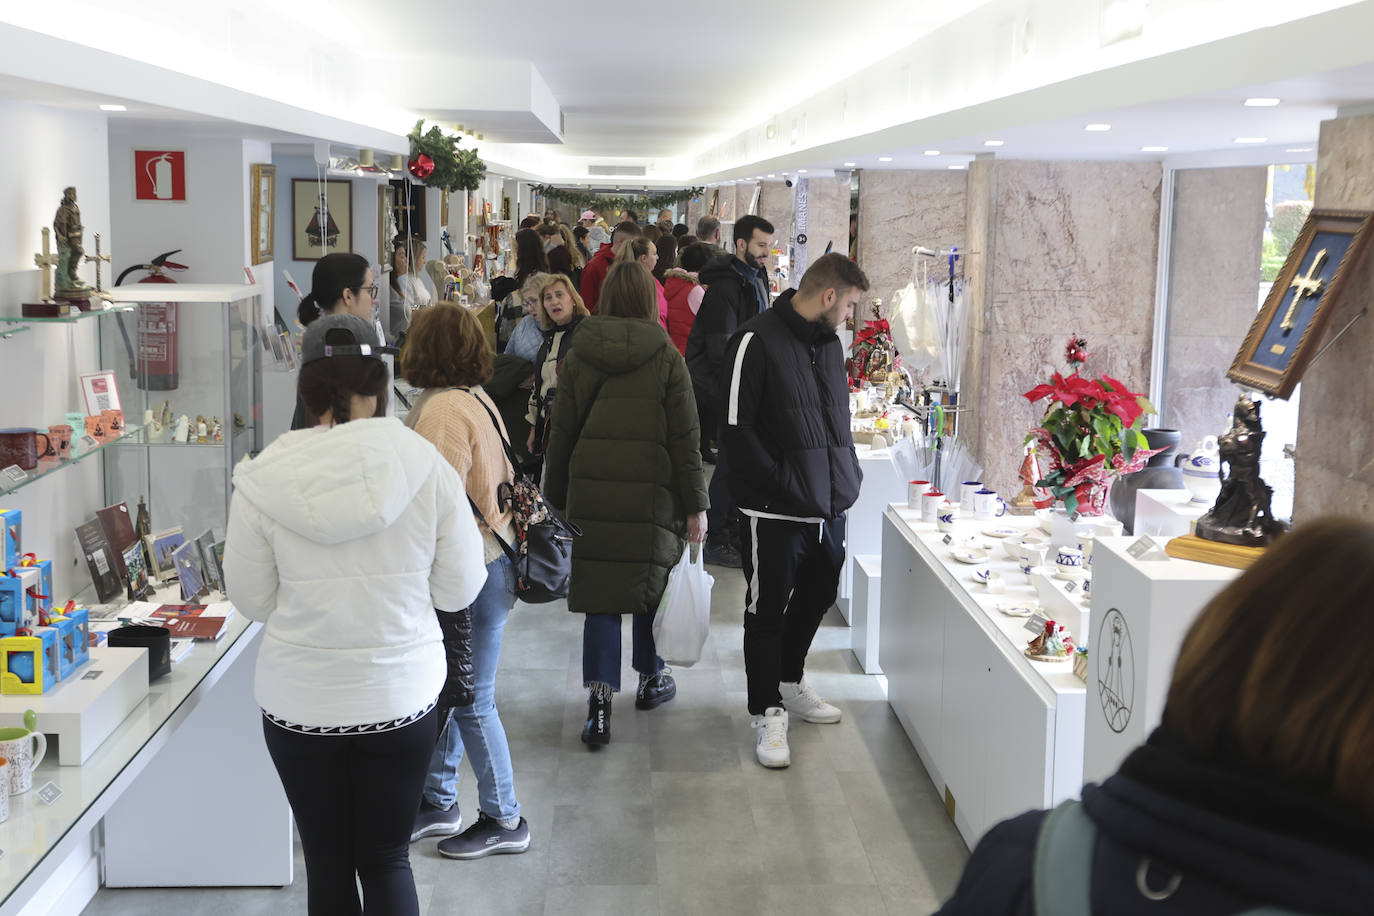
(13, 521)
(11, 605)
(31, 579)
(73, 642)
(28, 664)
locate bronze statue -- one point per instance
(71, 250)
(1242, 514)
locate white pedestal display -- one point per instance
(1166, 513)
(882, 484)
(865, 610)
(83, 711)
(1142, 611)
(998, 733)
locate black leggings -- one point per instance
(355, 799)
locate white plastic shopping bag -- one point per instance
(684, 613)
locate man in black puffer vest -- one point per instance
(794, 474)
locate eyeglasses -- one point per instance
(371, 290)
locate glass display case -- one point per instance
(192, 351)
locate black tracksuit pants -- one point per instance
(793, 574)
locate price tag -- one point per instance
(88, 443)
(1142, 548)
(14, 474)
(92, 675)
(49, 793)
(947, 540)
(1070, 587)
(1036, 623)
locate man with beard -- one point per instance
(736, 291)
(794, 474)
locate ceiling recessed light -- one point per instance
(1261, 103)
(1154, 149)
(1252, 139)
(850, 165)
(1097, 128)
(113, 108)
(932, 152)
(772, 176)
(993, 142)
(884, 158)
(958, 168)
(1299, 149)
(801, 171)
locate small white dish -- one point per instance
(970, 555)
(1076, 576)
(1002, 531)
(991, 578)
(1017, 608)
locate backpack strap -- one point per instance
(1061, 884)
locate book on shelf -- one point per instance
(118, 526)
(100, 560)
(161, 546)
(186, 560)
(197, 621)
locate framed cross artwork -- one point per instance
(1291, 325)
(263, 191)
(321, 218)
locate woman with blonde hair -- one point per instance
(1256, 792)
(623, 460)
(528, 334)
(559, 312)
(448, 356)
(646, 252)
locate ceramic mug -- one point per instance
(24, 750)
(988, 505)
(947, 515)
(930, 505)
(966, 491)
(61, 436)
(915, 489)
(4, 796)
(20, 446)
(1070, 561)
(1086, 540)
(1033, 557)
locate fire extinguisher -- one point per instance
(155, 368)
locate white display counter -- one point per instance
(1166, 513)
(998, 733)
(1143, 609)
(883, 483)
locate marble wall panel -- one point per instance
(1073, 249)
(776, 204)
(1335, 464)
(827, 220)
(901, 209)
(1218, 232)
(695, 207)
(982, 177)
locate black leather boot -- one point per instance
(597, 731)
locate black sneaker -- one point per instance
(486, 838)
(597, 731)
(723, 554)
(655, 691)
(434, 821)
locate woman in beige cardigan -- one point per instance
(447, 355)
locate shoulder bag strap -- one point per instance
(1061, 884)
(505, 548)
(510, 452)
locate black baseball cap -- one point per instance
(362, 335)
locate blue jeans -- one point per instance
(479, 729)
(601, 648)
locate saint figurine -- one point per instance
(71, 249)
(1242, 514)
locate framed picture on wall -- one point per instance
(1291, 326)
(263, 188)
(321, 218)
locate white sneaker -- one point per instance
(804, 703)
(772, 750)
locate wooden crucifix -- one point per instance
(46, 262)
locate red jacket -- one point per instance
(594, 275)
(678, 286)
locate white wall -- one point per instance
(39, 368)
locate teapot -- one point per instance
(1202, 471)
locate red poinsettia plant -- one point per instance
(1090, 433)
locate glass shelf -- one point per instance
(8, 332)
(52, 466)
(69, 318)
(143, 439)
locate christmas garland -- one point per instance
(436, 160)
(610, 205)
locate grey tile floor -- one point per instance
(675, 817)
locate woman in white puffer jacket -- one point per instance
(344, 539)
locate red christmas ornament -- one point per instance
(422, 166)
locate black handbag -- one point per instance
(542, 552)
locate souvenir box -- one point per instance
(28, 664)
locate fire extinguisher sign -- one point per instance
(159, 174)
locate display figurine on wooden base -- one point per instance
(71, 251)
(1242, 514)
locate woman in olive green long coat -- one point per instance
(624, 462)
